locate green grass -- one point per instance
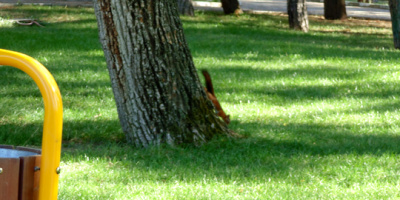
(320, 109)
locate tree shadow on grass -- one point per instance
(320, 139)
(96, 131)
(271, 151)
(265, 157)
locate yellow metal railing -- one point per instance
(52, 128)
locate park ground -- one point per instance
(320, 110)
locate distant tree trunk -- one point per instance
(298, 18)
(231, 6)
(185, 7)
(335, 9)
(395, 15)
(157, 90)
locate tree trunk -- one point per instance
(395, 15)
(298, 18)
(335, 9)
(231, 7)
(157, 90)
(185, 7)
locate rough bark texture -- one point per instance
(185, 7)
(335, 9)
(395, 15)
(298, 18)
(157, 90)
(231, 6)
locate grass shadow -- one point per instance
(269, 155)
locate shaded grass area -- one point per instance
(320, 110)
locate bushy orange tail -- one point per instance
(209, 84)
(211, 95)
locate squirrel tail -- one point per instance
(209, 84)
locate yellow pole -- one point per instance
(52, 128)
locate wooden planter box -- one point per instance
(20, 171)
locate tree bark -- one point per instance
(395, 15)
(185, 7)
(298, 18)
(231, 7)
(335, 9)
(157, 90)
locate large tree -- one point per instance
(185, 7)
(231, 7)
(395, 15)
(157, 90)
(298, 18)
(335, 9)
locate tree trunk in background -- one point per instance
(231, 6)
(298, 18)
(395, 15)
(157, 90)
(335, 9)
(185, 7)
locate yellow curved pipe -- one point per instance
(53, 114)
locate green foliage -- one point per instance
(320, 110)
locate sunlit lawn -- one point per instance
(320, 110)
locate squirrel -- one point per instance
(238, 12)
(209, 89)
